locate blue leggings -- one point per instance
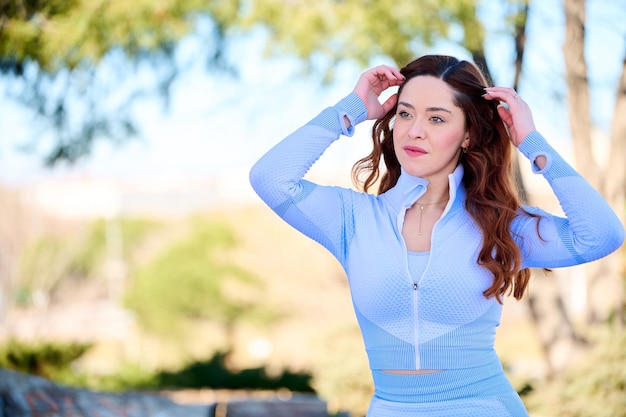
(482, 391)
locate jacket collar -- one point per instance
(409, 189)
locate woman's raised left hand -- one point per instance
(370, 86)
(516, 115)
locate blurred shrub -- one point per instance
(126, 377)
(54, 361)
(214, 373)
(593, 386)
(46, 359)
(194, 279)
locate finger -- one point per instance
(384, 72)
(505, 115)
(390, 102)
(501, 90)
(508, 95)
(394, 73)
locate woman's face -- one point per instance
(429, 129)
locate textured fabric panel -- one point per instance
(474, 339)
(386, 351)
(477, 391)
(504, 405)
(590, 239)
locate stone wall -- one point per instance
(24, 395)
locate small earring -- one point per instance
(464, 149)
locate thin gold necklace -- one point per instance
(421, 206)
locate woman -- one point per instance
(430, 257)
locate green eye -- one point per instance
(403, 114)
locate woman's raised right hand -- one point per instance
(370, 86)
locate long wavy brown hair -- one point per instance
(492, 194)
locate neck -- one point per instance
(436, 193)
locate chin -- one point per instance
(415, 172)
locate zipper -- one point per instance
(416, 284)
(416, 288)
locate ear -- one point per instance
(465, 142)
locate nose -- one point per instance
(416, 130)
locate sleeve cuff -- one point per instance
(354, 109)
(332, 118)
(535, 145)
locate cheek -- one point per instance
(452, 140)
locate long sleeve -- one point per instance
(590, 229)
(278, 177)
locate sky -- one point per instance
(218, 124)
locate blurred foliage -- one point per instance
(44, 264)
(52, 259)
(126, 377)
(54, 361)
(214, 373)
(66, 34)
(51, 52)
(54, 50)
(193, 279)
(360, 30)
(131, 232)
(595, 385)
(46, 359)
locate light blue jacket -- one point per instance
(425, 312)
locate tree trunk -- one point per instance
(559, 340)
(578, 89)
(604, 277)
(614, 189)
(520, 41)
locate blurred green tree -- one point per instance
(194, 280)
(51, 53)
(360, 29)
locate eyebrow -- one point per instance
(430, 109)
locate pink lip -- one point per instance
(414, 150)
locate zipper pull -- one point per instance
(415, 286)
